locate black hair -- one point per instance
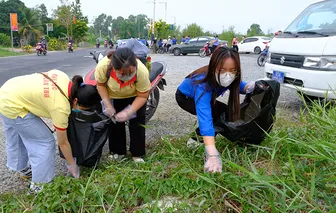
(123, 58)
(87, 95)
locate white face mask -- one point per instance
(225, 79)
(126, 77)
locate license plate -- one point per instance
(278, 76)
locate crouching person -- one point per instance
(30, 145)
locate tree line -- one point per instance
(69, 21)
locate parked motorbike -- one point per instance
(70, 49)
(159, 69)
(262, 57)
(205, 50)
(40, 49)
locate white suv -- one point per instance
(304, 57)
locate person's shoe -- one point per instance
(192, 143)
(35, 188)
(116, 157)
(26, 173)
(138, 160)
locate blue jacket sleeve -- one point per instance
(204, 111)
(242, 85)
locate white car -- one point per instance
(254, 44)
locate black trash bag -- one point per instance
(257, 115)
(87, 133)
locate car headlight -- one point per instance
(323, 63)
(268, 57)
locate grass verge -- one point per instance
(6, 53)
(294, 170)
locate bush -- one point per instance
(5, 40)
(55, 44)
(27, 48)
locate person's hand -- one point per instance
(249, 88)
(125, 114)
(213, 162)
(108, 109)
(73, 169)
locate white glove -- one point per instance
(108, 109)
(213, 162)
(126, 114)
(73, 169)
(250, 87)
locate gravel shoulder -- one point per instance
(169, 119)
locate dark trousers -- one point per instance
(213, 48)
(235, 47)
(117, 132)
(188, 104)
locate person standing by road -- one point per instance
(235, 43)
(197, 95)
(23, 100)
(124, 95)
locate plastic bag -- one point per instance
(257, 115)
(87, 133)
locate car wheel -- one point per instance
(177, 51)
(257, 50)
(184, 53)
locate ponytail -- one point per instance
(87, 95)
(77, 80)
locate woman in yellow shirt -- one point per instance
(30, 145)
(124, 96)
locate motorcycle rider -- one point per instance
(214, 44)
(43, 42)
(71, 42)
(110, 43)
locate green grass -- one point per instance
(293, 170)
(5, 53)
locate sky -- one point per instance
(212, 15)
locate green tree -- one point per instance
(98, 25)
(254, 30)
(30, 28)
(76, 9)
(162, 29)
(80, 30)
(63, 15)
(193, 30)
(42, 13)
(228, 34)
(7, 7)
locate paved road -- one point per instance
(169, 119)
(71, 63)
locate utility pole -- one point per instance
(164, 2)
(174, 24)
(154, 1)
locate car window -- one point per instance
(193, 40)
(247, 40)
(202, 39)
(253, 39)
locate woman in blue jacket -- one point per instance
(197, 95)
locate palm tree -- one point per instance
(30, 27)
